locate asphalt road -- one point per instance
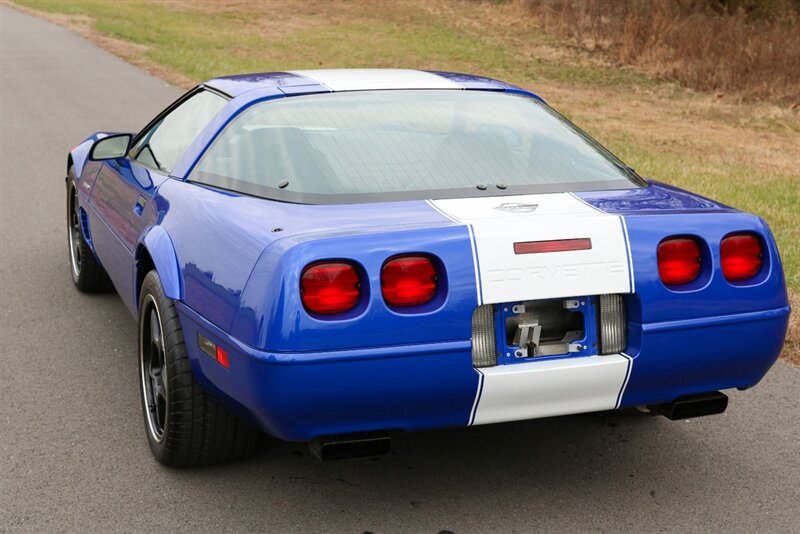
(73, 455)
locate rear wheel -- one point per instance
(87, 274)
(185, 426)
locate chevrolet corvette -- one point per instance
(336, 256)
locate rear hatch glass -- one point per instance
(406, 144)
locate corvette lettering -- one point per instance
(544, 272)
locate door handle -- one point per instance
(139, 206)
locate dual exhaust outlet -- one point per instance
(371, 445)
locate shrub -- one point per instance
(747, 47)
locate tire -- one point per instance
(185, 426)
(87, 274)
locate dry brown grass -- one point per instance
(689, 42)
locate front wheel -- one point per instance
(87, 274)
(185, 426)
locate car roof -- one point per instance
(302, 81)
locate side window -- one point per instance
(161, 146)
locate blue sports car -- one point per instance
(335, 256)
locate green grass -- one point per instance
(200, 46)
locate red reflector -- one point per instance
(222, 357)
(408, 281)
(741, 257)
(559, 245)
(678, 261)
(329, 288)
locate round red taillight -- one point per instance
(408, 281)
(330, 287)
(679, 261)
(741, 257)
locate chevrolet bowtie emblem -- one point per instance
(516, 207)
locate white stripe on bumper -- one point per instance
(549, 388)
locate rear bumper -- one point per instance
(675, 358)
(301, 396)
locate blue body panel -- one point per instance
(657, 199)
(233, 264)
(301, 396)
(711, 334)
(675, 358)
(121, 212)
(162, 253)
(711, 295)
(272, 316)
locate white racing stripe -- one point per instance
(373, 79)
(549, 388)
(558, 386)
(507, 277)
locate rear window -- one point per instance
(393, 145)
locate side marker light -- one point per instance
(213, 350)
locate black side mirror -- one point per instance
(111, 147)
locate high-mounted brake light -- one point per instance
(328, 288)
(679, 261)
(741, 257)
(408, 281)
(557, 245)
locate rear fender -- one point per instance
(272, 315)
(711, 295)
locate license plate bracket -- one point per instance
(545, 329)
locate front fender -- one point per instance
(158, 246)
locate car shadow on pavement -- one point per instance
(593, 459)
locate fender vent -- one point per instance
(613, 331)
(483, 339)
(85, 225)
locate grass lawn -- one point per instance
(744, 154)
